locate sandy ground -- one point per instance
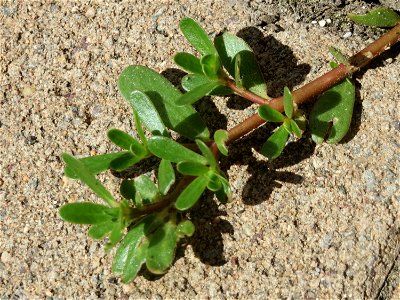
(321, 222)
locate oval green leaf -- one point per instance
(214, 183)
(196, 36)
(85, 213)
(127, 189)
(99, 231)
(191, 193)
(131, 254)
(170, 150)
(95, 164)
(88, 178)
(207, 153)
(274, 146)
(380, 17)
(120, 138)
(228, 46)
(161, 250)
(185, 228)
(191, 168)
(220, 138)
(191, 81)
(182, 119)
(197, 93)
(146, 188)
(188, 62)
(288, 102)
(269, 114)
(295, 129)
(333, 110)
(210, 64)
(124, 162)
(166, 176)
(147, 112)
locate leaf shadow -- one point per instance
(277, 62)
(265, 176)
(207, 242)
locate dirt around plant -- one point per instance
(320, 222)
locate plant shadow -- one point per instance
(265, 176)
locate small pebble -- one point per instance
(28, 91)
(347, 35)
(328, 21)
(322, 23)
(313, 22)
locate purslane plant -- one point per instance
(150, 219)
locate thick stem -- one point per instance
(309, 91)
(245, 93)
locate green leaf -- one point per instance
(139, 129)
(185, 228)
(127, 189)
(191, 81)
(196, 36)
(99, 231)
(120, 138)
(161, 250)
(147, 112)
(88, 178)
(95, 164)
(220, 138)
(124, 162)
(238, 65)
(115, 236)
(182, 119)
(207, 153)
(288, 102)
(228, 46)
(269, 114)
(214, 183)
(210, 64)
(188, 62)
(339, 56)
(170, 150)
(273, 147)
(85, 213)
(225, 193)
(197, 93)
(132, 251)
(295, 129)
(138, 149)
(191, 193)
(334, 110)
(380, 17)
(286, 124)
(166, 176)
(333, 65)
(146, 188)
(191, 168)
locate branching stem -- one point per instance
(307, 93)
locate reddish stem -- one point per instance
(309, 91)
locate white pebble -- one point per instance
(329, 21)
(322, 23)
(313, 22)
(347, 35)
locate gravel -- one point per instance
(321, 222)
